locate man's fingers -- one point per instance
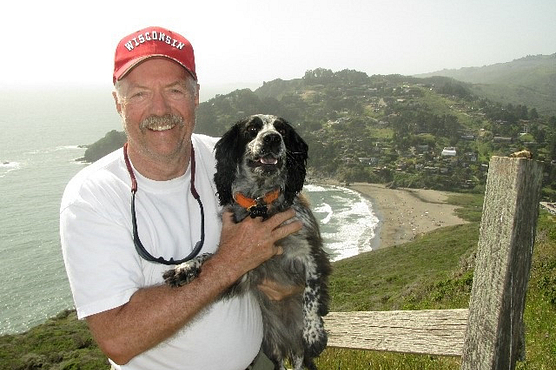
(287, 229)
(281, 217)
(262, 232)
(227, 218)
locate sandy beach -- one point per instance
(406, 213)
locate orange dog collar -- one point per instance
(249, 203)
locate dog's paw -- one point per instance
(181, 274)
(185, 272)
(315, 338)
(315, 345)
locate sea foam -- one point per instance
(346, 219)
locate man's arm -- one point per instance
(154, 314)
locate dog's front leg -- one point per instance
(185, 272)
(314, 335)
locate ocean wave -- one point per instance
(314, 188)
(53, 149)
(69, 147)
(347, 220)
(8, 166)
(326, 209)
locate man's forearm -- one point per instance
(156, 313)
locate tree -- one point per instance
(533, 114)
(318, 76)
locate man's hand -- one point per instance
(277, 292)
(247, 244)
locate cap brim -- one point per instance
(127, 67)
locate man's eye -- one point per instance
(138, 95)
(178, 93)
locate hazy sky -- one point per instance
(251, 41)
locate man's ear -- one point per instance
(198, 90)
(117, 102)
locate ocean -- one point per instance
(42, 134)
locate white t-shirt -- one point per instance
(105, 270)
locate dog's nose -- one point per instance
(272, 139)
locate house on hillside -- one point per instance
(370, 161)
(448, 151)
(471, 156)
(422, 148)
(468, 137)
(502, 139)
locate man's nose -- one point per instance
(159, 104)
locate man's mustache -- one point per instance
(156, 122)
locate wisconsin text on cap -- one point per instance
(153, 36)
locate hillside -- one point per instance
(432, 132)
(530, 81)
(414, 132)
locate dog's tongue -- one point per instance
(269, 160)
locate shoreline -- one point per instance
(406, 213)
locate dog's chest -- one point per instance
(288, 268)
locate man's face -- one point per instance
(157, 101)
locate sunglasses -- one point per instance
(138, 245)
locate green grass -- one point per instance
(433, 271)
(400, 277)
(62, 342)
(343, 359)
(440, 105)
(540, 310)
(378, 133)
(470, 206)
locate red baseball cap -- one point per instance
(152, 42)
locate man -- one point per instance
(121, 213)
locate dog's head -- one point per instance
(260, 152)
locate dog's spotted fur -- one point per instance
(256, 156)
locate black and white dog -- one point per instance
(260, 171)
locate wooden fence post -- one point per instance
(495, 335)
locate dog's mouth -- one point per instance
(267, 162)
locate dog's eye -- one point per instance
(252, 131)
(281, 130)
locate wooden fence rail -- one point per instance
(490, 334)
(435, 332)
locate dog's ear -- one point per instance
(228, 156)
(296, 162)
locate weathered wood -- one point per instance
(495, 335)
(437, 332)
